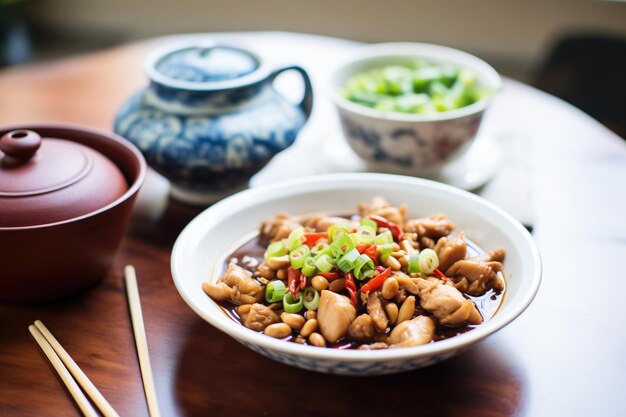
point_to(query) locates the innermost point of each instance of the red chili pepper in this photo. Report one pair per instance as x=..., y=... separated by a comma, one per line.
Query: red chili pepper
x=351, y=287
x=331, y=276
x=440, y=274
x=302, y=282
x=377, y=281
x=380, y=269
x=395, y=229
x=363, y=247
x=371, y=252
x=311, y=239
x=293, y=280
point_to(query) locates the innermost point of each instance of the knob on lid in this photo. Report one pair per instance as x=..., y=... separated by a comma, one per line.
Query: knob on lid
x=46, y=180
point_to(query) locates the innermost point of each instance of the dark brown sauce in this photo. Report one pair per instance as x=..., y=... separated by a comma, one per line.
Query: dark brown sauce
x=250, y=255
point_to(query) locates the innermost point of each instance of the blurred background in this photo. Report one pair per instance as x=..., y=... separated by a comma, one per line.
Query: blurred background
x=575, y=49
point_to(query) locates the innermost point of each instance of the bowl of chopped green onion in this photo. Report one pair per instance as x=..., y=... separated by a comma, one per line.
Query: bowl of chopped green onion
x=412, y=108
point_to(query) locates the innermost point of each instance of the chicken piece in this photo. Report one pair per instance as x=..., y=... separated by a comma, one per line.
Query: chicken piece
x=319, y=222
x=381, y=207
x=377, y=311
x=335, y=314
x=259, y=317
x=451, y=249
x=496, y=255
x=447, y=303
x=406, y=283
x=374, y=346
x=235, y=285
x=415, y=332
x=433, y=226
x=278, y=228
x=480, y=275
x=362, y=329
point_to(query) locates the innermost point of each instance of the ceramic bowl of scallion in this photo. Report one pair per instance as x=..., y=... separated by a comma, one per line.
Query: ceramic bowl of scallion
x=412, y=108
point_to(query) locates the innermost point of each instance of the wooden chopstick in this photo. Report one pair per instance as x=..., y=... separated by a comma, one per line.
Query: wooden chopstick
x=82, y=401
x=140, y=340
x=78, y=374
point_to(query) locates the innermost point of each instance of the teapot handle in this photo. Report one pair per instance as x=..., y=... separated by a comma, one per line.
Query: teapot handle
x=306, y=104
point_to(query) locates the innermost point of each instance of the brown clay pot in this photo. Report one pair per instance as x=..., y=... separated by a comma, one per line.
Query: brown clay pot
x=66, y=193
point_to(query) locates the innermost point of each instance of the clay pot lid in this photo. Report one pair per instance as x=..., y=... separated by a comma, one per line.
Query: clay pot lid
x=47, y=180
x=204, y=65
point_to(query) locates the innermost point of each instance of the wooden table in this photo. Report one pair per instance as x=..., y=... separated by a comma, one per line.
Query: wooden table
x=564, y=356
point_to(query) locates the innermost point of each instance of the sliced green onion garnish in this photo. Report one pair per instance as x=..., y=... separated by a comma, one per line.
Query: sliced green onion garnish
x=366, y=221
x=290, y=305
x=385, y=250
x=275, y=291
x=366, y=233
x=414, y=264
x=343, y=244
x=428, y=260
x=383, y=238
x=324, y=263
x=295, y=238
x=297, y=256
x=355, y=238
x=346, y=262
x=319, y=248
x=309, y=268
x=275, y=249
x=362, y=264
x=311, y=298
x=335, y=230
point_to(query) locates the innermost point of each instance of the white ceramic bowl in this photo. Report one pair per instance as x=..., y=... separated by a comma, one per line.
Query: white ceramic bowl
x=416, y=144
x=203, y=245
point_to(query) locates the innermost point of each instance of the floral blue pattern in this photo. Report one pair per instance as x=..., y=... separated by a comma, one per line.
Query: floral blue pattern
x=211, y=141
x=356, y=368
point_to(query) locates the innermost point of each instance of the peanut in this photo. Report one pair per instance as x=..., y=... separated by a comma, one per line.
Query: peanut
x=278, y=262
x=295, y=321
x=390, y=288
x=278, y=330
x=319, y=282
x=337, y=285
x=317, y=339
x=392, y=312
x=309, y=327
x=407, y=310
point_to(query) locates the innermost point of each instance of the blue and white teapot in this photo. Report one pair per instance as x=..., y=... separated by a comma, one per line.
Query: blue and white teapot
x=210, y=118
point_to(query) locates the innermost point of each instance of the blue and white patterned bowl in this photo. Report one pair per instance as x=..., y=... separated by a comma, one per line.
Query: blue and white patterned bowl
x=412, y=144
x=210, y=118
x=205, y=243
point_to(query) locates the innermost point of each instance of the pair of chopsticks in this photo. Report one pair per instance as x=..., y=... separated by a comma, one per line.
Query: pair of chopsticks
x=72, y=375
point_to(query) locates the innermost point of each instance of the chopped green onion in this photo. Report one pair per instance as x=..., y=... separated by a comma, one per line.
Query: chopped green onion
x=428, y=260
x=319, y=248
x=309, y=268
x=275, y=291
x=311, y=298
x=414, y=265
x=366, y=233
x=383, y=238
x=355, y=238
x=366, y=221
x=290, y=305
x=362, y=264
x=335, y=230
x=346, y=262
x=298, y=255
x=385, y=250
x=275, y=249
x=295, y=238
x=324, y=263
x=343, y=244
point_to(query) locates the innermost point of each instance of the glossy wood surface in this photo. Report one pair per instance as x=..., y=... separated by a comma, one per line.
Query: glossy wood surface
x=563, y=356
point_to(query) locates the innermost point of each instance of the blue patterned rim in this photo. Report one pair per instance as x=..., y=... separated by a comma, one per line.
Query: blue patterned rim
x=258, y=75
